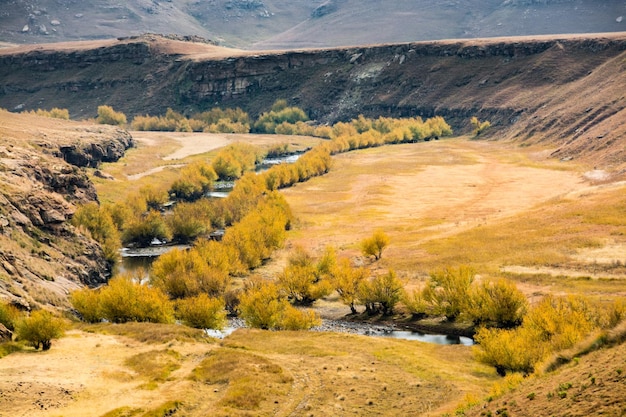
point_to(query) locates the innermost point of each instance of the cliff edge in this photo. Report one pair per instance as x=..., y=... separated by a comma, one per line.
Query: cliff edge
x=41, y=183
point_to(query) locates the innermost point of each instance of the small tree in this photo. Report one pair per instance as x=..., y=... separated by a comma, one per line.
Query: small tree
x=40, y=329
x=381, y=293
x=374, y=245
x=108, y=116
x=303, y=280
x=416, y=303
x=346, y=281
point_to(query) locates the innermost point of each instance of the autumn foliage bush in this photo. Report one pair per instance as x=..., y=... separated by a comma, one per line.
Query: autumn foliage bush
x=552, y=325
x=54, y=113
x=123, y=299
x=202, y=312
x=303, y=280
x=263, y=306
x=108, y=116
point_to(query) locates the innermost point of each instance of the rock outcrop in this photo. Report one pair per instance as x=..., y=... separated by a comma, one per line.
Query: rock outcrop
x=43, y=256
x=562, y=91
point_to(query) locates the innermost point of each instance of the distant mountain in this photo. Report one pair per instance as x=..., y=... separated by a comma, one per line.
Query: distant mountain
x=291, y=24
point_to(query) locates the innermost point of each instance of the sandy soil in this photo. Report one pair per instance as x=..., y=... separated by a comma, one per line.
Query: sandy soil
x=77, y=366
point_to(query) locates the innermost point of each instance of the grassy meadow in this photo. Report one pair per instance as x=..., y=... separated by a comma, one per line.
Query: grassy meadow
x=505, y=211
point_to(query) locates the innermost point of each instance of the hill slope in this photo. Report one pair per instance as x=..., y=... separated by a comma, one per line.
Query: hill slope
x=262, y=24
x=42, y=255
x=565, y=91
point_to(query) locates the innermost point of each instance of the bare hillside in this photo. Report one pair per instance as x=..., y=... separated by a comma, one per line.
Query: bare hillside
x=565, y=92
x=288, y=24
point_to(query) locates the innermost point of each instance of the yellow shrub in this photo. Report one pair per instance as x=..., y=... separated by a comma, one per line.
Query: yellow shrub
x=40, y=329
x=87, y=302
x=124, y=299
x=202, y=312
x=108, y=116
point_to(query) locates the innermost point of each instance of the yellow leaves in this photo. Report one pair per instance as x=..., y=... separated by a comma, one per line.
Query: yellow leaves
x=123, y=299
x=108, y=116
x=40, y=328
x=263, y=306
x=184, y=273
x=497, y=302
x=346, y=280
x=202, y=312
x=554, y=324
x=478, y=127
x=374, y=245
x=195, y=180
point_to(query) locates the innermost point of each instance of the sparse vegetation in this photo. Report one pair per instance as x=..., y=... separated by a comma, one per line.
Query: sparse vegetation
x=54, y=113
x=215, y=120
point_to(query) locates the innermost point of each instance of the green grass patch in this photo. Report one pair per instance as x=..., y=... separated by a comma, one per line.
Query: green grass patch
x=155, y=366
x=250, y=379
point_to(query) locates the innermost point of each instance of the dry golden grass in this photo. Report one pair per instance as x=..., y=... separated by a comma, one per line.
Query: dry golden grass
x=489, y=205
x=252, y=372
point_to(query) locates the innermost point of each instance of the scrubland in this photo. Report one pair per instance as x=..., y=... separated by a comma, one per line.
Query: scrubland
x=504, y=210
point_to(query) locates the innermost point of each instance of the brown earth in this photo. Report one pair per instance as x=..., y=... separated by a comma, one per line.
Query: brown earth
x=88, y=374
x=42, y=255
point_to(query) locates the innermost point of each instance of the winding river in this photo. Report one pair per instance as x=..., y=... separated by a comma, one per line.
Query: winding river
x=134, y=259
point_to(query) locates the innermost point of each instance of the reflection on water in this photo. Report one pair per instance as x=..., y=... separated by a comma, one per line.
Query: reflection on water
x=439, y=339
x=137, y=259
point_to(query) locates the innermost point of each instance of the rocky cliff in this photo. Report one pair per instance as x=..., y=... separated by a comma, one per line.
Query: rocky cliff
x=565, y=91
x=41, y=183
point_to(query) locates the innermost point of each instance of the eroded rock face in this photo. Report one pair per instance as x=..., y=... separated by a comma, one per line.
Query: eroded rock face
x=42, y=256
x=91, y=155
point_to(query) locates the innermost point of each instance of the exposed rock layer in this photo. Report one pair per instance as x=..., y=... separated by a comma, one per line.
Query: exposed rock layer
x=566, y=91
x=43, y=256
